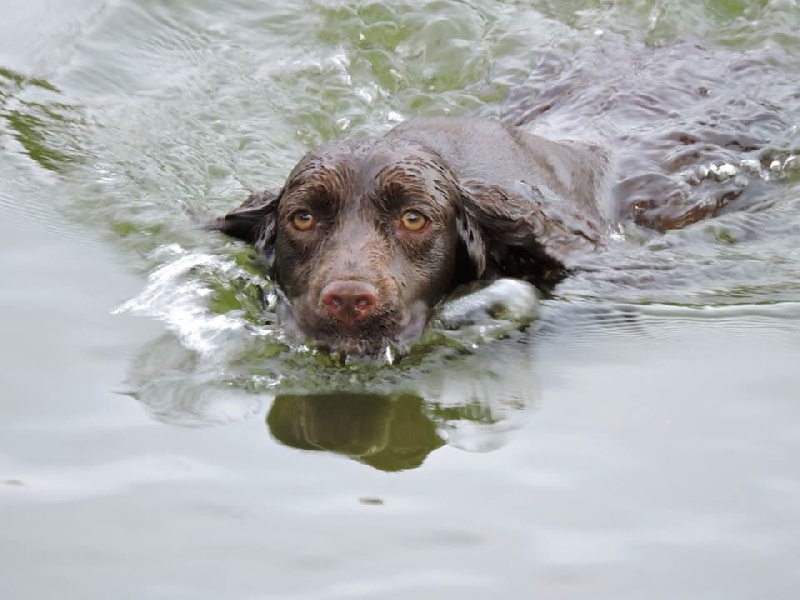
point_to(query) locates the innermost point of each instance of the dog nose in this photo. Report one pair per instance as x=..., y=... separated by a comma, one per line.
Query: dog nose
x=349, y=301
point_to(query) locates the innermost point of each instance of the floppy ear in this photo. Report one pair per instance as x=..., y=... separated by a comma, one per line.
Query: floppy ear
x=523, y=231
x=472, y=241
x=253, y=222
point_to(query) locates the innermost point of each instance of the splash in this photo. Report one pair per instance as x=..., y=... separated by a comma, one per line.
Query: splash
x=177, y=294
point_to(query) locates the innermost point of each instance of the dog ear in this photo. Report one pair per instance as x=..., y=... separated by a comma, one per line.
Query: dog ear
x=253, y=222
x=523, y=231
x=472, y=250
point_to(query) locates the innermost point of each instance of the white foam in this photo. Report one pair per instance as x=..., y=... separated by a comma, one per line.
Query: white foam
x=173, y=296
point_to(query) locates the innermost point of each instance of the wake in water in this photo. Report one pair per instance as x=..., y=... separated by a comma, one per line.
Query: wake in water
x=222, y=361
x=708, y=125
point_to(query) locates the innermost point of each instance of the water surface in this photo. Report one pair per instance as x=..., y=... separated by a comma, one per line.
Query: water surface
x=638, y=439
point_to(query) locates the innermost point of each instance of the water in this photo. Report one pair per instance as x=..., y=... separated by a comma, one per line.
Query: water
x=159, y=437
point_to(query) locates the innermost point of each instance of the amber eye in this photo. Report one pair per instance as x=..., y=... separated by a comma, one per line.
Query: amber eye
x=413, y=221
x=303, y=220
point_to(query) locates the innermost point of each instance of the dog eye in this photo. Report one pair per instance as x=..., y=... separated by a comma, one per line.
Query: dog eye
x=413, y=221
x=303, y=220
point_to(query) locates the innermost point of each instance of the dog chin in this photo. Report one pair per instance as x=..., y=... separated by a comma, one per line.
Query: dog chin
x=342, y=343
x=353, y=347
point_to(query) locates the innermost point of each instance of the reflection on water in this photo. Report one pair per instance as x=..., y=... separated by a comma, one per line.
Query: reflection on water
x=388, y=432
x=374, y=412
x=471, y=401
x=33, y=112
x=469, y=382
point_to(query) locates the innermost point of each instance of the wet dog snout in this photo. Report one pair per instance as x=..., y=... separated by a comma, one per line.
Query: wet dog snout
x=349, y=301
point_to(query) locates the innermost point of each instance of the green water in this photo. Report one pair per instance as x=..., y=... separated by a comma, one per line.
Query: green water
x=159, y=440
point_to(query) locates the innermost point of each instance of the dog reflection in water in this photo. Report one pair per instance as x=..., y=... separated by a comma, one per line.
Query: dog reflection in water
x=387, y=432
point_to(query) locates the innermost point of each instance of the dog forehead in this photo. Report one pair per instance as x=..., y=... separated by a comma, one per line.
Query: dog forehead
x=395, y=157
x=362, y=168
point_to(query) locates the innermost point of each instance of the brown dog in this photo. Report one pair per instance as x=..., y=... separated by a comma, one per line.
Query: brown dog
x=367, y=235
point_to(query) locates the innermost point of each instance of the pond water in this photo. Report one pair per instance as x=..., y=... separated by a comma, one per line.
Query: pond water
x=638, y=437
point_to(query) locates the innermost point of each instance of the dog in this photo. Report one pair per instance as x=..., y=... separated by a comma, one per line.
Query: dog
x=367, y=235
